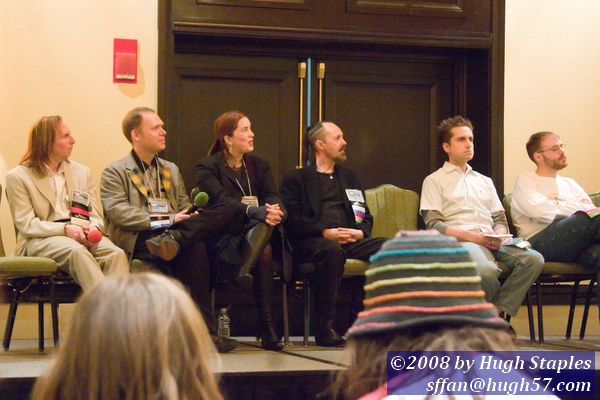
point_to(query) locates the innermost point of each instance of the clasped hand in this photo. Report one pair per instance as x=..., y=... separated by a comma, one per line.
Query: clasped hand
x=343, y=235
x=274, y=214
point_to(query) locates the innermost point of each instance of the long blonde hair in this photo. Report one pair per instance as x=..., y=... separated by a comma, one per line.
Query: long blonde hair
x=41, y=138
x=133, y=337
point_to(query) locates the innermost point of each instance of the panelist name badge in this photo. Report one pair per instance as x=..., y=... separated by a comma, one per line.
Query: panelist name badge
x=355, y=196
x=159, y=213
x=80, y=208
x=250, y=200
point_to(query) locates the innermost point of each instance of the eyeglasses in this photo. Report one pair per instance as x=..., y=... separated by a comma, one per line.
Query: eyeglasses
x=555, y=149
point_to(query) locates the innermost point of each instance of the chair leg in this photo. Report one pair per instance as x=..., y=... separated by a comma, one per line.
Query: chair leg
x=538, y=288
x=306, y=290
x=54, y=311
x=10, y=320
x=572, y=309
x=284, y=304
x=530, y=317
x=212, y=300
x=41, y=326
x=586, y=309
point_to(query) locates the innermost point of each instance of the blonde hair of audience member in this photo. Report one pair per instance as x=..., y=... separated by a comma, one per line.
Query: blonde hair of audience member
x=41, y=138
x=367, y=355
x=135, y=337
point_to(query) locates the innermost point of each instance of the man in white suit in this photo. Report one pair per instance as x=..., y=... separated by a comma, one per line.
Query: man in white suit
x=53, y=204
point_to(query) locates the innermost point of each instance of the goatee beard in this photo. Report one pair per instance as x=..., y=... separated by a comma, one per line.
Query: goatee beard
x=340, y=159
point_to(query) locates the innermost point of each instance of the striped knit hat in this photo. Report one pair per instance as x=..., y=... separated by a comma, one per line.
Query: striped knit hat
x=423, y=278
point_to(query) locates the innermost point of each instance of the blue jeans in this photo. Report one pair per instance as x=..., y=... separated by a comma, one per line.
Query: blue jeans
x=525, y=266
x=574, y=238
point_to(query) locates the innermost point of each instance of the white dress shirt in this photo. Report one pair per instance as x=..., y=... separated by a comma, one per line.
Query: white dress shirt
x=466, y=199
x=58, y=182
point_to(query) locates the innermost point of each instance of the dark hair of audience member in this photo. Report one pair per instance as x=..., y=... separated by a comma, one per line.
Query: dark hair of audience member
x=134, y=337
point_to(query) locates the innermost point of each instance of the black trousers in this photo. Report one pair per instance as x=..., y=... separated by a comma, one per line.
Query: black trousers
x=329, y=258
x=191, y=266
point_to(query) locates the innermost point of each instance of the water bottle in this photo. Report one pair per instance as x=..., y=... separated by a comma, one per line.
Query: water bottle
x=224, y=324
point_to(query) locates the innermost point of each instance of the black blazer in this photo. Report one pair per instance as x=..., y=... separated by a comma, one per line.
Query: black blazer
x=215, y=178
x=301, y=195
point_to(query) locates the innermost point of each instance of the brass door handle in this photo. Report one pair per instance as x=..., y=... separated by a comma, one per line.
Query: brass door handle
x=320, y=79
x=301, y=79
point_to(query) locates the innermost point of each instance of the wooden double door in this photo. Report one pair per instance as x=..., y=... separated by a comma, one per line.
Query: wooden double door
x=387, y=105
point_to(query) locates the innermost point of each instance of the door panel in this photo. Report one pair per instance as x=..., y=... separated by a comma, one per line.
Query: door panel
x=265, y=89
x=389, y=112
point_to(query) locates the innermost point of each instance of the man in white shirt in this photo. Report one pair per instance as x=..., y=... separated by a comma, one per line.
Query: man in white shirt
x=549, y=210
x=459, y=202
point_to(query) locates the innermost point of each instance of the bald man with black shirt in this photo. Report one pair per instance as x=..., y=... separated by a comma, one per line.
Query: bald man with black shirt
x=328, y=221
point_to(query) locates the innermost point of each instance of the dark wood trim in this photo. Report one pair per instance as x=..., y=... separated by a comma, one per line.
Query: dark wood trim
x=429, y=8
x=283, y=4
x=497, y=96
x=474, y=40
x=165, y=58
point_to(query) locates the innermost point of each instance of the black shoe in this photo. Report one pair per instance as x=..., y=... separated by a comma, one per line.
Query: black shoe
x=163, y=246
x=223, y=344
x=269, y=339
x=329, y=338
x=505, y=316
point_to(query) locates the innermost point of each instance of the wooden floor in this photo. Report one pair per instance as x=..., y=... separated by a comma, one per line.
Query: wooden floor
x=249, y=372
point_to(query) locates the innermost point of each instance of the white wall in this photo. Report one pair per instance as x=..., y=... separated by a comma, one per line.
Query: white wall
x=552, y=82
x=56, y=58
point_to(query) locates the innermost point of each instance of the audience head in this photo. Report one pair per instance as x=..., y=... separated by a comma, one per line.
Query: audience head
x=50, y=140
x=227, y=128
x=547, y=150
x=133, y=337
x=326, y=139
x=422, y=293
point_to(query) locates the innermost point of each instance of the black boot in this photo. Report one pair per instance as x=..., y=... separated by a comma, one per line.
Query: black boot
x=263, y=292
x=254, y=242
x=327, y=336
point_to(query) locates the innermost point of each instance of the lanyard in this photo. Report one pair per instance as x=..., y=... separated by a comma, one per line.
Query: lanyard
x=150, y=180
x=247, y=177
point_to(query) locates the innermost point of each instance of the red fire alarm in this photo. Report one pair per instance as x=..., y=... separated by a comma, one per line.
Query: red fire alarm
x=125, y=61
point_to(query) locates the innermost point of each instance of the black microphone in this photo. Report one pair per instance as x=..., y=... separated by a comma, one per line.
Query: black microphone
x=200, y=201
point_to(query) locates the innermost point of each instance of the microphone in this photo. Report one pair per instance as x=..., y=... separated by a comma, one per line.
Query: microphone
x=200, y=200
x=94, y=236
x=194, y=192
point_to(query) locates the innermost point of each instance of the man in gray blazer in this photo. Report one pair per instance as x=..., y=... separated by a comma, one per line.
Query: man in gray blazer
x=146, y=206
x=53, y=201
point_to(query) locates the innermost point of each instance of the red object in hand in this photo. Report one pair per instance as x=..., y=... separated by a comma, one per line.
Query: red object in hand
x=94, y=236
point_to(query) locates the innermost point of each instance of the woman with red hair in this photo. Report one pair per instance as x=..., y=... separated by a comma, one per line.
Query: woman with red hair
x=233, y=176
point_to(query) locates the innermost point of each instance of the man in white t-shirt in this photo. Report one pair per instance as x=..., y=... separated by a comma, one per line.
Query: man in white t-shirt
x=459, y=202
x=549, y=210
